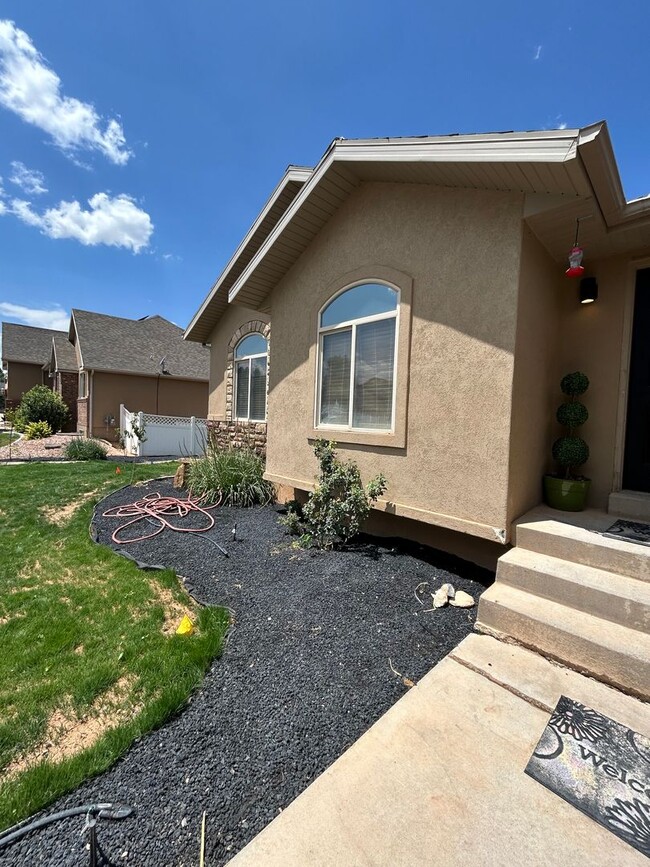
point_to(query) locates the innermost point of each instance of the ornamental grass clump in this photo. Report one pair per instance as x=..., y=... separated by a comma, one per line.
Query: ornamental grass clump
x=85, y=450
x=339, y=504
x=234, y=475
x=37, y=430
x=571, y=451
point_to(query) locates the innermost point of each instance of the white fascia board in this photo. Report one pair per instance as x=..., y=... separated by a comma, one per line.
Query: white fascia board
x=546, y=147
x=294, y=174
x=560, y=146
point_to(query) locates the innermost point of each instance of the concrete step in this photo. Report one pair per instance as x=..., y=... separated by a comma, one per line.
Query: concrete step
x=607, y=651
x=583, y=545
x=603, y=594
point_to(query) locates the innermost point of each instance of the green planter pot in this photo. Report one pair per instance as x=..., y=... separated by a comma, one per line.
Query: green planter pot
x=566, y=494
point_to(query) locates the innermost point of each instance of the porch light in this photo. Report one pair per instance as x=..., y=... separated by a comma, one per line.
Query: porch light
x=588, y=290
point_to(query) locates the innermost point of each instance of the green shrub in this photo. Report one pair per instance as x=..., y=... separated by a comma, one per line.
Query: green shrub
x=237, y=475
x=572, y=414
x=42, y=404
x=336, y=509
x=37, y=430
x=85, y=450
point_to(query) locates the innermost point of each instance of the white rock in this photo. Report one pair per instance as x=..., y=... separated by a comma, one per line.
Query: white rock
x=440, y=597
x=462, y=600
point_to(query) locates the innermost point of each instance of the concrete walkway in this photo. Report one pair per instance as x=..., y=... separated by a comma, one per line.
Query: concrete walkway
x=439, y=779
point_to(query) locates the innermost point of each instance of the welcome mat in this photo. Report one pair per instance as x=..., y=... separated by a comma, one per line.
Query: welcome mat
x=599, y=766
x=630, y=531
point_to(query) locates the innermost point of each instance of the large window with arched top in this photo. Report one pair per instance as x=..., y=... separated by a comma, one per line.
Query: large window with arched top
x=356, y=364
x=251, y=355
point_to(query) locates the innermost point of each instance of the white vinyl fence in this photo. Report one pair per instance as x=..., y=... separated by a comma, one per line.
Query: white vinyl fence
x=164, y=434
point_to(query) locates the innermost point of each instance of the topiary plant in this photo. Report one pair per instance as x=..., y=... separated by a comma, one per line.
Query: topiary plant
x=339, y=504
x=571, y=451
x=42, y=404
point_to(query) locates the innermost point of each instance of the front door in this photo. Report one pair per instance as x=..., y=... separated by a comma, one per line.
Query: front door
x=636, y=467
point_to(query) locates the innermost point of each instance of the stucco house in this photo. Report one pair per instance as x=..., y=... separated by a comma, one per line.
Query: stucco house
x=142, y=363
x=25, y=352
x=407, y=297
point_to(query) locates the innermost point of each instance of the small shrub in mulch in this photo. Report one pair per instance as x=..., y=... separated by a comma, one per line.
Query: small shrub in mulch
x=85, y=450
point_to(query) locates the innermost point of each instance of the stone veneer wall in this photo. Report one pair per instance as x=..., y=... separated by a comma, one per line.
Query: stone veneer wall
x=230, y=432
x=238, y=434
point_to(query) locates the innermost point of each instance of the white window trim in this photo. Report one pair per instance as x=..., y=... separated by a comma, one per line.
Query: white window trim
x=83, y=378
x=352, y=324
x=249, y=359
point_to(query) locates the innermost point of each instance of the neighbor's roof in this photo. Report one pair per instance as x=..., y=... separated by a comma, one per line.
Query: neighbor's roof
x=136, y=346
x=566, y=174
x=27, y=344
x=65, y=356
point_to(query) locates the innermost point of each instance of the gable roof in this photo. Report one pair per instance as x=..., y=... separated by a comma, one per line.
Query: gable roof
x=572, y=170
x=64, y=356
x=27, y=344
x=216, y=301
x=137, y=346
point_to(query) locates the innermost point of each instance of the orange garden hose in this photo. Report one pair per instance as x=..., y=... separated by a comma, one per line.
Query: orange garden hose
x=156, y=509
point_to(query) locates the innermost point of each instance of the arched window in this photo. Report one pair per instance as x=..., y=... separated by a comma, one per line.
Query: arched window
x=357, y=352
x=250, y=378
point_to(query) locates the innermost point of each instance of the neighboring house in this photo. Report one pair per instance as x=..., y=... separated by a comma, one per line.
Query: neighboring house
x=410, y=297
x=25, y=351
x=142, y=363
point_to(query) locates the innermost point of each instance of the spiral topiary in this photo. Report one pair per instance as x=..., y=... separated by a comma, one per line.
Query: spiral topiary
x=571, y=451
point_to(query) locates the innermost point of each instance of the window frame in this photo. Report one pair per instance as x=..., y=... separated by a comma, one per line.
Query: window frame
x=352, y=325
x=83, y=381
x=249, y=358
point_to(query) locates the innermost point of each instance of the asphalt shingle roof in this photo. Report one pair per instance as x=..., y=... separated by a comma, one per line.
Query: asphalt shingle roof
x=27, y=344
x=138, y=346
x=66, y=356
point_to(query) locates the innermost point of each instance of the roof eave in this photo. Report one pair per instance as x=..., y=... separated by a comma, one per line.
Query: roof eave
x=299, y=174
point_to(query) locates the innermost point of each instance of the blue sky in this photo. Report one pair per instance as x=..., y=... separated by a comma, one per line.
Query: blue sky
x=159, y=129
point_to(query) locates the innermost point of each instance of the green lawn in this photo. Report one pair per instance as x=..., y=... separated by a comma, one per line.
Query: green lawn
x=88, y=655
x=6, y=438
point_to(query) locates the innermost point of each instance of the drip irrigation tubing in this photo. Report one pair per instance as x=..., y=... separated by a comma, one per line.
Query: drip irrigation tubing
x=158, y=510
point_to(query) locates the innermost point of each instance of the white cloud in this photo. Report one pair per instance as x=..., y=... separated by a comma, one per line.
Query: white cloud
x=563, y=125
x=538, y=52
x=117, y=221
x=29, y=180
x=32, y=90
x=3, y=207
x=56, y=317
x=171, y=257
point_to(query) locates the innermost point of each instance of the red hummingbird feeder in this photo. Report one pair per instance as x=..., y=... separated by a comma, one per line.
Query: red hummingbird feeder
x=576, y=268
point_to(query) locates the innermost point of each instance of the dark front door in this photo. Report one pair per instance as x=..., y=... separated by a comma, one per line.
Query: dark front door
x=636, y=468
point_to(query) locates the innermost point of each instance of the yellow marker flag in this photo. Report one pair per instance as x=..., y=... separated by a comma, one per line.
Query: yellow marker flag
x=185, y=627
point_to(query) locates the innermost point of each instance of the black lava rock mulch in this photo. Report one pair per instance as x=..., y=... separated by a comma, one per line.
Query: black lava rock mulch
x=305, y=672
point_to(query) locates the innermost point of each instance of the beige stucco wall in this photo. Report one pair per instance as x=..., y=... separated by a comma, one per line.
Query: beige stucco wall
x=21, y=377
x=536, y=374
x=138, y=393
x=462, y=251
x=235, y=316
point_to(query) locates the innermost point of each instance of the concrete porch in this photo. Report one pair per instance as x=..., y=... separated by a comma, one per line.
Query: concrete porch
x=573, y=595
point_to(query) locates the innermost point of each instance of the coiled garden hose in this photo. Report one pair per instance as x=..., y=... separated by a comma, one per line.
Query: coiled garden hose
x=114, y=812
